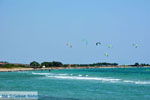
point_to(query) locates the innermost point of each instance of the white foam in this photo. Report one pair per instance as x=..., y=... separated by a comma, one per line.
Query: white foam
x=79, y=75
x=103, y=79
x=49, y=74
x=40, y=73
x=84, y=78
x=127, y=81
x=137, y=82
x=62, y=74
x=142, y=82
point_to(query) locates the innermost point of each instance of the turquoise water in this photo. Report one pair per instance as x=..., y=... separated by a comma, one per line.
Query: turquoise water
x=81, y=84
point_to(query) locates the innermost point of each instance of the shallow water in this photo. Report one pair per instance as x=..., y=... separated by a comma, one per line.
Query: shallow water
x=81, y=84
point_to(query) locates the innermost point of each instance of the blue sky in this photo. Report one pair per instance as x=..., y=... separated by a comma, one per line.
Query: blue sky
x=39, y=30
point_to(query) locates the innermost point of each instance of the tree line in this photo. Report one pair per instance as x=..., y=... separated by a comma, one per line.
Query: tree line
x=138, y=64
x=60, y=64
x=35, y=64
x=46, y=64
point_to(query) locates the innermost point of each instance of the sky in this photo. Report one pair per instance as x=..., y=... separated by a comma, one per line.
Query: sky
x=38, y=30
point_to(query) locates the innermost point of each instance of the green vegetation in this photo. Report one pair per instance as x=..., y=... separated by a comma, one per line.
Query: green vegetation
x=52, y=64
x=92, y=65
x=7, y=65
x=35, y=64
x=142, y=64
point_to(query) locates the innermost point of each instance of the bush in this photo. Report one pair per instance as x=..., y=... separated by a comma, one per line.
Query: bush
x=35, y=64
x=52, y=64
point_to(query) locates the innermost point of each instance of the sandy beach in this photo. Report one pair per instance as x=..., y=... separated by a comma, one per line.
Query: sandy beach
x=29, y=69
x=14, y=69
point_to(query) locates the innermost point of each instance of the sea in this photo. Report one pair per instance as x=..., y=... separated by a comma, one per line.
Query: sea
x=81, y=84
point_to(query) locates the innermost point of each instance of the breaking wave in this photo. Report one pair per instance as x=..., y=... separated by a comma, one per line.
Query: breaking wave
x=84, y=78
x=47, y=74
x=87, y=77
x=136, y=82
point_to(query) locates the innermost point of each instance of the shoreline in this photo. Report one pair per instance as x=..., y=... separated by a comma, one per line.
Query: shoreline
x=53, y=68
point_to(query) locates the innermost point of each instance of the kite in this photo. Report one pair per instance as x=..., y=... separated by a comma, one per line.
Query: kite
x=98, y=43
